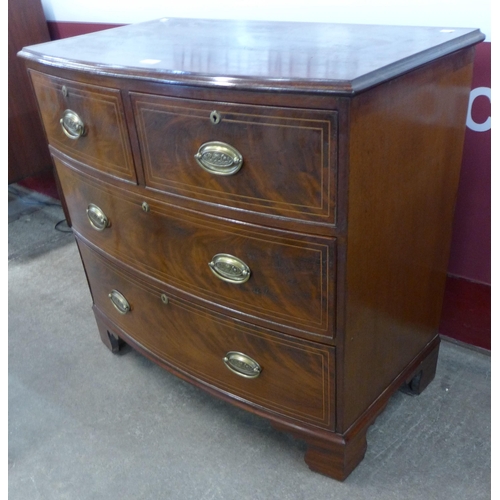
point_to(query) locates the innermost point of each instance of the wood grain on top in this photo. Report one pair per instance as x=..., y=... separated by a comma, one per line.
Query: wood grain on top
x=290, y=56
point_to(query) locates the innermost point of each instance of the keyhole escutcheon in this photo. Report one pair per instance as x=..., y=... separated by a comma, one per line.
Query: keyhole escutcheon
x=215, y=117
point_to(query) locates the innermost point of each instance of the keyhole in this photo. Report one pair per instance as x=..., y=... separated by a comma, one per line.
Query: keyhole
x=215, y=117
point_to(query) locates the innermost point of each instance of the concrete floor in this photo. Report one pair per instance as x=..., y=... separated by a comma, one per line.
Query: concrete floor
x=85, y=424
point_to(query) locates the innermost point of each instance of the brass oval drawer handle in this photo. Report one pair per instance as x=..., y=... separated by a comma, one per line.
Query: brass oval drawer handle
x=219, y=158
x=72, y=125
x=229, y=268
x=242, y=365
x=119, y=301
x=97, y=217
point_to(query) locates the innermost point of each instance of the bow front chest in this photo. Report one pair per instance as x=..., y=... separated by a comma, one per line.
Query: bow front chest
x=265, y=209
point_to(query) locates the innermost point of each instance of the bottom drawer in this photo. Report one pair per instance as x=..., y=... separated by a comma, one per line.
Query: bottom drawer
x=287, y=376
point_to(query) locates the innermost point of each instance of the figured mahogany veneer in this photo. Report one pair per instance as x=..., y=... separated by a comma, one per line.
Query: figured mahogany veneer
x=297, y=377
x=265, y=209
x=106, y=145
x=289, y=164
x=291, y=274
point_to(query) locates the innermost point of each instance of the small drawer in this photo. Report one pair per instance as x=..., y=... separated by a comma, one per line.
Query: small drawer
x=86, y=122
x=278, y=279
x=274, y=161
x=289, y=377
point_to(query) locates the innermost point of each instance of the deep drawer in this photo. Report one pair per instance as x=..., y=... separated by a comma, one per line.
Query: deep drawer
x=290, y=280
x=293, y=378
x=275, y=161
x=94, y=121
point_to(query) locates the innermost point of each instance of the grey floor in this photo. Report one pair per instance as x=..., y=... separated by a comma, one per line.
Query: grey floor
x=86, y=424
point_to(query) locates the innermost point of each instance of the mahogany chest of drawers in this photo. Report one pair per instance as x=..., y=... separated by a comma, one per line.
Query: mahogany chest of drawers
x=265, y=209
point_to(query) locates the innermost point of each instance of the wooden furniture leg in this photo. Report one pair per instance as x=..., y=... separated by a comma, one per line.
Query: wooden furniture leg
x=109, y=338
x=423, y=375
x=337, y=455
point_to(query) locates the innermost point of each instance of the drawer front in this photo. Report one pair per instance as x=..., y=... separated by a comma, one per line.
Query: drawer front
x=289, y=377
x=93, y=130
x=289, y=281
x=286, y=157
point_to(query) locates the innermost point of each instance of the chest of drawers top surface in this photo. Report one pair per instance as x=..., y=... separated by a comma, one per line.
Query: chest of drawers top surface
x=318, y=57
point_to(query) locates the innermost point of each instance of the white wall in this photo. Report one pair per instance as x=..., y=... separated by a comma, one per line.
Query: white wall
x=446, y=13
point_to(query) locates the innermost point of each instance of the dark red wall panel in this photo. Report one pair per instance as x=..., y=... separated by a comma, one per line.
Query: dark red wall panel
x=60, y=30
x=466, y=312
x=470, y=256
